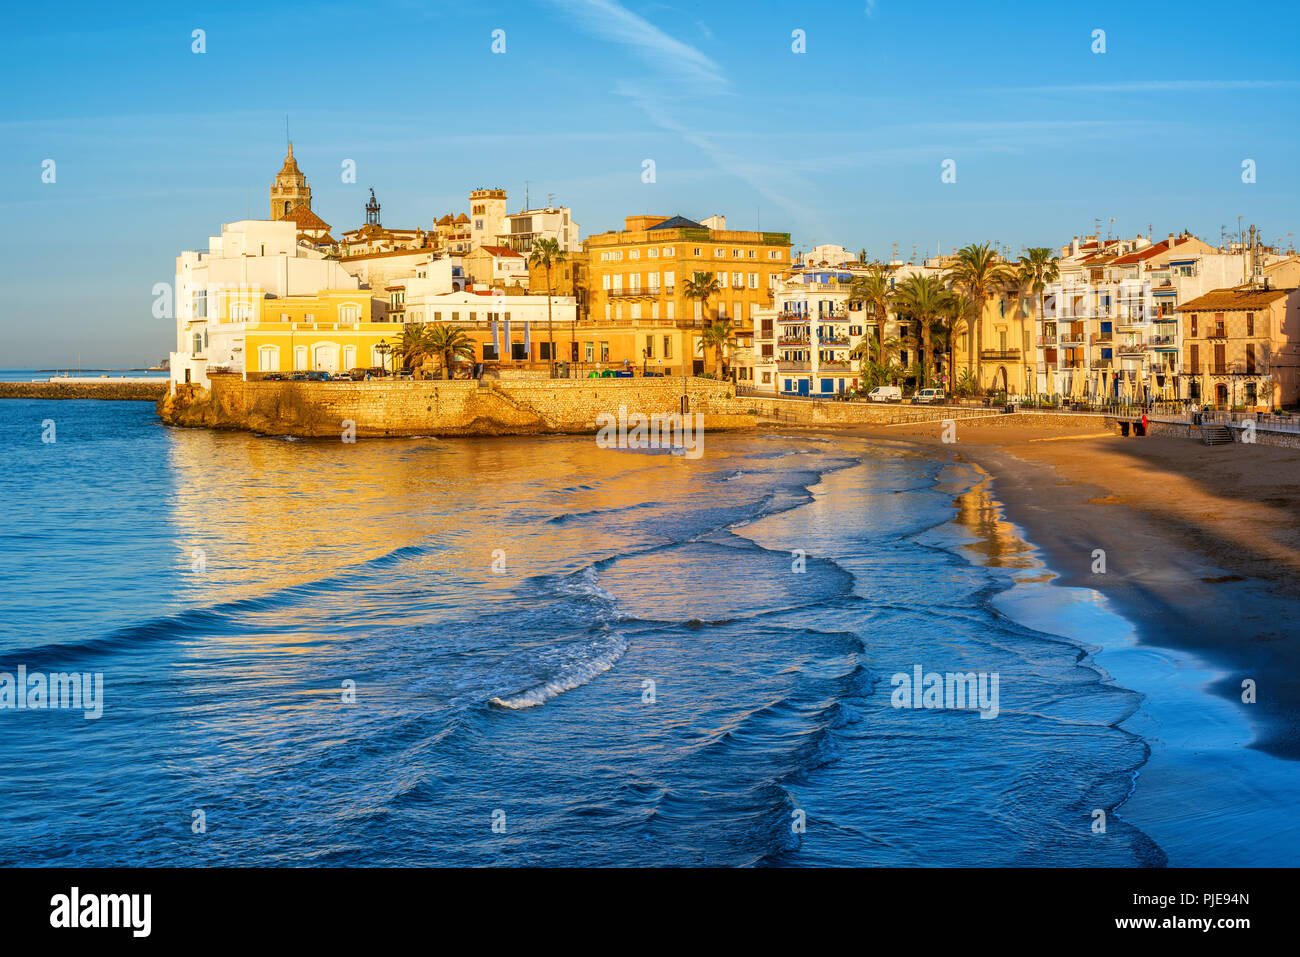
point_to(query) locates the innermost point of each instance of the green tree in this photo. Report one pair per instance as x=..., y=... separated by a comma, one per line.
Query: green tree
x=547, y=254
x=1037, y=268
x=416, y=344
x=451, y=344
x=924, y=299
x=977, y=273
x=874, y=290
x=702, y=286
x=718, y=335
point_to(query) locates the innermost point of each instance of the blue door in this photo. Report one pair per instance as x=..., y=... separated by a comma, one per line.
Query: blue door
x=803, y=386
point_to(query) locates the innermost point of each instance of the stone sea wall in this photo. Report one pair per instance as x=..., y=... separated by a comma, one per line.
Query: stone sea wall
x=103, y=389
x=498, y=407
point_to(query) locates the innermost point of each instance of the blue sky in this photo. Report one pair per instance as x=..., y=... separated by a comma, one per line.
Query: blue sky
x=156, y=146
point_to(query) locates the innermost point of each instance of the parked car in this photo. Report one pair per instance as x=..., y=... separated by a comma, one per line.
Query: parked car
x=274, y=377
x=376, y=372
x=356, y=375
x=885, y=393
x=298, y=377
x=924, y=396
x=318, y=376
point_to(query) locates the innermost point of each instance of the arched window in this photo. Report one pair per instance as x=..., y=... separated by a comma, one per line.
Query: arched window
x=286, y=208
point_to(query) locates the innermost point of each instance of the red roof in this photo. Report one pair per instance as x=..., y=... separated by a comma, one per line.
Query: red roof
x=1144, y=254
x=502, y=251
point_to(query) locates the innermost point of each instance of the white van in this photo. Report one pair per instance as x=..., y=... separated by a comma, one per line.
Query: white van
x=924, y=396
x=885, y=393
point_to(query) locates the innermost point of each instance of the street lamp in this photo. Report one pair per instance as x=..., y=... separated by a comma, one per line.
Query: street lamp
x=383, y=349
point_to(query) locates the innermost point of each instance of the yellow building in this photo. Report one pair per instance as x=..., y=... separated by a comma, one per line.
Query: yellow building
x=1003, y=352
x=635, y=279
x=331, y=331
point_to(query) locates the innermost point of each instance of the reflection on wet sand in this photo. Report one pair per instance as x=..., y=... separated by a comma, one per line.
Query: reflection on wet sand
x=997, y=542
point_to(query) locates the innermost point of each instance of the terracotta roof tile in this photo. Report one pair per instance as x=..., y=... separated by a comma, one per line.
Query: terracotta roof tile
x=1232, y=299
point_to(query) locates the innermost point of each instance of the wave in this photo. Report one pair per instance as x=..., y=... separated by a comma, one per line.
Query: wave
x=573, y=675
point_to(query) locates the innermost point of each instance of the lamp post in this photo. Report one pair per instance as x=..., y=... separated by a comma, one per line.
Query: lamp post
x=383, y=349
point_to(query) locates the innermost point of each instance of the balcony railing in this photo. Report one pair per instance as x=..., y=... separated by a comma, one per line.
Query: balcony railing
x=1131, y=348
x=995, y=354
x=638, y=292
x=1047, y=341
x=784, y=366
x=1073, y=339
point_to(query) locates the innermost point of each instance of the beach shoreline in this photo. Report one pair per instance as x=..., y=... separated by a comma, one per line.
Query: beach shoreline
x=1201, y=545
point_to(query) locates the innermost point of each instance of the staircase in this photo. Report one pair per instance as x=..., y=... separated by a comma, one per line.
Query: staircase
x=1216, y=434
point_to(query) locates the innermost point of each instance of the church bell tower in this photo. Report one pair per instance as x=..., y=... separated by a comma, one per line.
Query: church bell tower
x=290, y=189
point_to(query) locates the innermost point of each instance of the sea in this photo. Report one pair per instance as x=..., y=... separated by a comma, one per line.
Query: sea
x=537, y=651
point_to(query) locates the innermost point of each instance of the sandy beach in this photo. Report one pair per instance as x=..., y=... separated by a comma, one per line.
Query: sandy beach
x=1202, y=545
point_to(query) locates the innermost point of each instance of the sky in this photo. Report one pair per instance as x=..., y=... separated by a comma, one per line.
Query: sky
x=155, y=145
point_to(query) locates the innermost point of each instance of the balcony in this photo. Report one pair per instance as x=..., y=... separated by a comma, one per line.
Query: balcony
x=1073, y=339
x=1164, y=342
x=793, y=341
x=1048, y=342
x=834, y=341
x=784, y=366
x=1131, y=348
x=637, y=293
x=836, y=365
x=995, y=355
x=1100, y=337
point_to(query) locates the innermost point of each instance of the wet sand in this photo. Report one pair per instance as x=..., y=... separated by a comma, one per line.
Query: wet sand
x=1202, y=545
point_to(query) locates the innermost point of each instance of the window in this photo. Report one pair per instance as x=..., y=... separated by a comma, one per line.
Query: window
x=649, y=345
x=774, y=254
x=696, y=252
x=652, y=254
x=1218, y=325
x=490, y=352
x=668, y=347
x=753, y=280
x=604, y=352
x=200, y=304
x=735, y=254
x=518, y=351
x=1194, y=360
x=668, y=250
x=1194, y=327
x=737, y=280
x=749, y=254
x=544, y=351
x=719, y=253
x=589, y=351
x=1250, y=323
x=634, y=254
x=670, y=280
x=198, y=344
x=1250, y=358
x=349, y=313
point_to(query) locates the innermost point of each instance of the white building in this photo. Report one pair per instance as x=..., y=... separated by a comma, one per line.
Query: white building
x=250, y=261
x=526, y=227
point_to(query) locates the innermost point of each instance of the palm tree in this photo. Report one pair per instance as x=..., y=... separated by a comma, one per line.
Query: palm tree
x=451, y=344
x=717, y=336
x=978, y=272
x=700, y=286
x=416, y=344
x=957, y=309
x=877, y=365
x=1038, y=267
x=873, y=289
x=546, y=254
x=924, y=299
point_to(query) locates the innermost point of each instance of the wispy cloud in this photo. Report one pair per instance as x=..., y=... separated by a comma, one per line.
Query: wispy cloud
x=675, y=59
